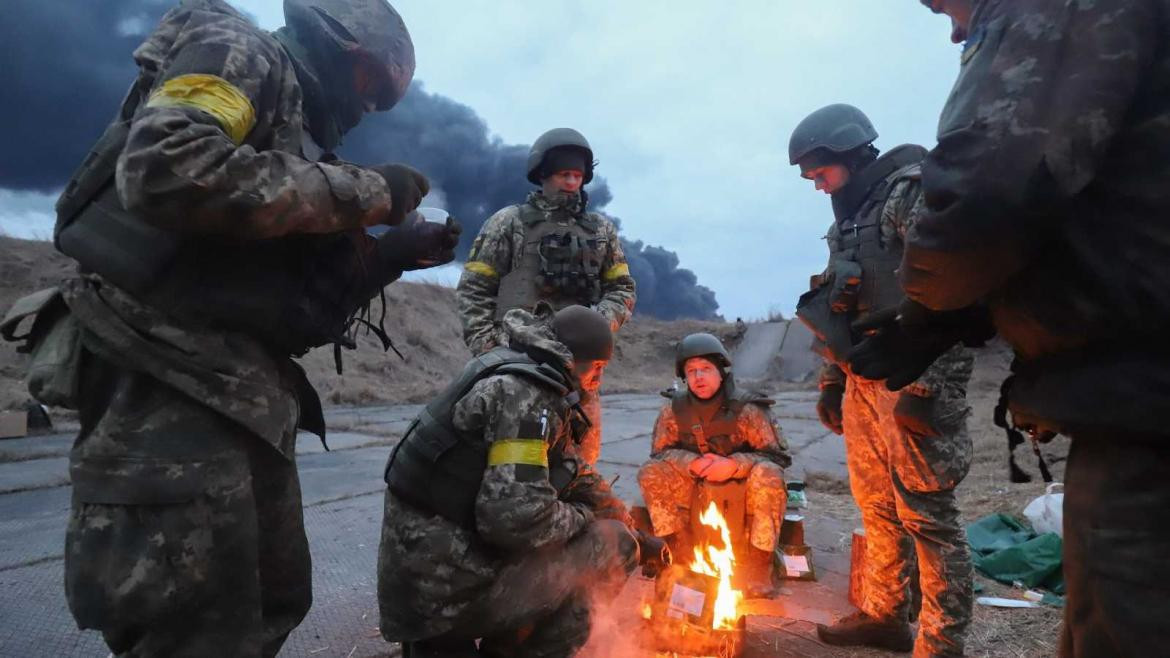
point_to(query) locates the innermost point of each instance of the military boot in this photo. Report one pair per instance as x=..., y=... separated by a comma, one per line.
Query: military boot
x=440, y=648
x=859, y=629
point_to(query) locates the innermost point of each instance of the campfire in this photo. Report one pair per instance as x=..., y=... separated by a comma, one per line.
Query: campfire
x=695, y=610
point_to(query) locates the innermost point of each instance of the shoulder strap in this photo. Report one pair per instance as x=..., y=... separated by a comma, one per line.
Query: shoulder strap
x=686, y=420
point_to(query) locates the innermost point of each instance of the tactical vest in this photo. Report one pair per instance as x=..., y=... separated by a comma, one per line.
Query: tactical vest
x=278, y=290
x=717, y=435
x=861, y=247
x=560, y=263
x=438, y=468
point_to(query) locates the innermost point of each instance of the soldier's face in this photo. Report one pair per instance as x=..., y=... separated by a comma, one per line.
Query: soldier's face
x=829, y=178
x=703, y=377
x=370, y=83
x=959, y=12
x=568, y=181
x=589, y=374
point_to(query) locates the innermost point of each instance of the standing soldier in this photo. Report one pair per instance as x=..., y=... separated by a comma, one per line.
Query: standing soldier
x=494, y=529
x=712, y=431
x=211, y=248
x=548, y=248
x=1046, y=202
x=906, y=452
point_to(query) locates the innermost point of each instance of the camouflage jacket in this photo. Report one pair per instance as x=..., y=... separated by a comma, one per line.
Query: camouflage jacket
x=215, y=149
x=756, y=439
x=1046, y=197
x=948, y=376
x=498, y=249
x=435, y=568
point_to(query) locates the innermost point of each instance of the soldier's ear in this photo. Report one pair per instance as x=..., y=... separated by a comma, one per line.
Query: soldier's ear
x=543, y=311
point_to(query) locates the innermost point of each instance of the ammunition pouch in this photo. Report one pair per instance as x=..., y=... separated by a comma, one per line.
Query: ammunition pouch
x=831, y=329
x=560, y=264
x=53, y=343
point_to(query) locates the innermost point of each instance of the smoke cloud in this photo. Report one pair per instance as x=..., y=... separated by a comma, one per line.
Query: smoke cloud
x=68, y=68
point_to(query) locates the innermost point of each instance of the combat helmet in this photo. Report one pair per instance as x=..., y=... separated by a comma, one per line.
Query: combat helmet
x=835, y=128
x=363, y=28
x=558, y=138
x=704, y=345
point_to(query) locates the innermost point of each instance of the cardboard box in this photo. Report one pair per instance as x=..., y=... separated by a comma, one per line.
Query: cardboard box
x=13, y=424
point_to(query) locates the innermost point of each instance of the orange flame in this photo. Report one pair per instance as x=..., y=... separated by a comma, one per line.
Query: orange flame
x=719, y=562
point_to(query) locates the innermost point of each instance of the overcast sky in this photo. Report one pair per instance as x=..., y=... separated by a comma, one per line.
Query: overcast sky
x=688, y=106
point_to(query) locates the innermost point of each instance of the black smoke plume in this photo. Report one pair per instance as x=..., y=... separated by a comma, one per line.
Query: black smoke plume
x=67, y=65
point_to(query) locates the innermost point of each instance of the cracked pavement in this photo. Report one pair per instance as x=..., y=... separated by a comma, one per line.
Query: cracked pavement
x=343, y=509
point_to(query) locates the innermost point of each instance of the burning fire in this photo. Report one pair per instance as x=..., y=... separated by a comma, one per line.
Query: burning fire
x=719, y=562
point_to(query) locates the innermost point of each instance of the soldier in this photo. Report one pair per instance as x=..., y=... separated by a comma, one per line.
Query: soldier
x=212, y=247
x=712, y=431
x=494, y=528
x=905, y=452
x=548, y=248
x=1045, y=201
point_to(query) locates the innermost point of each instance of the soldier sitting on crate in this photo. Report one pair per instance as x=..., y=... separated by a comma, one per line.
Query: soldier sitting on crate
x=711, y=433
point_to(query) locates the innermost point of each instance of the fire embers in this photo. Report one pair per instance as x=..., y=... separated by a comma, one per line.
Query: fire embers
x=695, y=609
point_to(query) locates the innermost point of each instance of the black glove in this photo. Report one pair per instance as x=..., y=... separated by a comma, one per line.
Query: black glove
x=915, y=414
x=420, y=244
x=829, y=408
x=901, y=343
x=407, y=188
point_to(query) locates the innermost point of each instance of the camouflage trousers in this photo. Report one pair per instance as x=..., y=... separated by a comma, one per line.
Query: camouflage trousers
x=540, y=604
x=1116, y=540
x=667, y=490
x=590, y=447
x=904, y=487
x=186, y=536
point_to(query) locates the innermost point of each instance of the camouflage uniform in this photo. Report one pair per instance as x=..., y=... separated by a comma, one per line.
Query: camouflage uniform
x=756, y=446
x=186, y=534
x=1046, y=198
x=535, y=560
x=904, y=484
x=499, y=249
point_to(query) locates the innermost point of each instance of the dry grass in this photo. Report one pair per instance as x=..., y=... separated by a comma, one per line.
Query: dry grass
x=420, y=318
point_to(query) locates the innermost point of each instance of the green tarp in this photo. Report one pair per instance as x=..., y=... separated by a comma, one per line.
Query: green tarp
x=1008, y=551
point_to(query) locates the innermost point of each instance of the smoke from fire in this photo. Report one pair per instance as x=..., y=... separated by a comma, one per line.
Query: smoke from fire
x=69, y=70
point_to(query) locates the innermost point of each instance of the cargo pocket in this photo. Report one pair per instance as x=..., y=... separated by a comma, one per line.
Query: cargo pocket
x=53, y=343
x=150, y=538
x=930, y=464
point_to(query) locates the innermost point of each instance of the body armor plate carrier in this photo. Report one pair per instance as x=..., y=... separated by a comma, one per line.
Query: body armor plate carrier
x=438, y=468
x=863, y=267
x=561, y=264
x=716, y=435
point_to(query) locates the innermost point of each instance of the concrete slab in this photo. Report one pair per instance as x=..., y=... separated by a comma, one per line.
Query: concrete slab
x=754, y=357
x=343, y=498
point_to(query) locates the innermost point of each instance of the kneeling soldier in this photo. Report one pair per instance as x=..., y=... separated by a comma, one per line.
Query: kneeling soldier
x=494, y=529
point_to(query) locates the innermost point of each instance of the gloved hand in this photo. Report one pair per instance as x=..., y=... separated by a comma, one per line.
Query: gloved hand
x=407, y=188
x=715, y=468
x=915, y=414
x=699, y=465
x=901, y=343
x=654, y=554
x=829, y=408
x=420, y=244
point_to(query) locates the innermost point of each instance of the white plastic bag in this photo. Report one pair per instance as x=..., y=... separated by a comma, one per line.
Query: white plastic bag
x=1046, y=512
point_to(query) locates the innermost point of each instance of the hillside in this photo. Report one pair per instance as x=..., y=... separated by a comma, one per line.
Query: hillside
x=420, y=318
